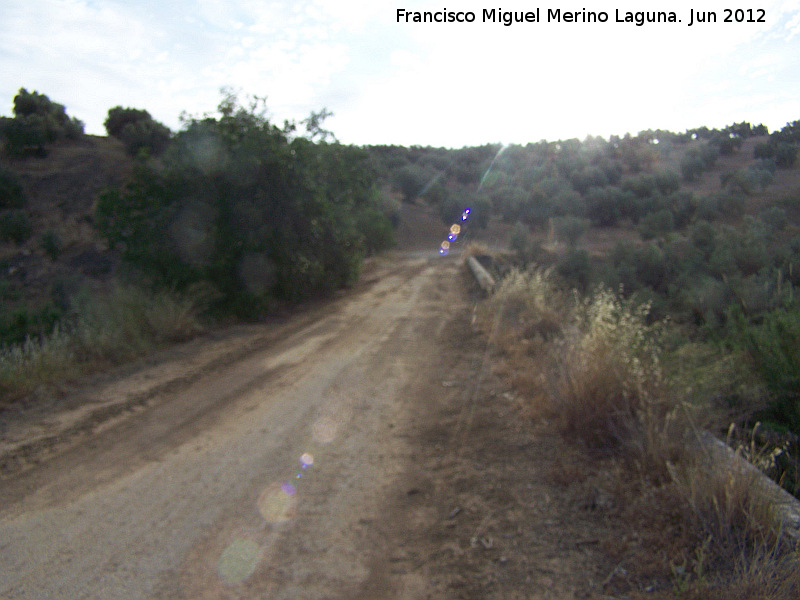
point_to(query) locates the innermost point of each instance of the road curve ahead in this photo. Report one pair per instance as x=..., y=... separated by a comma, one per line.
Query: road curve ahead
x=266, y=476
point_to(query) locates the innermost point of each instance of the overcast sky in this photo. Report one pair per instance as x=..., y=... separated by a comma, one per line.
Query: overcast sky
x=448, y=84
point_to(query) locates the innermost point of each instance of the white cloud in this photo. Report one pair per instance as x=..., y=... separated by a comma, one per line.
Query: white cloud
x=443, y=84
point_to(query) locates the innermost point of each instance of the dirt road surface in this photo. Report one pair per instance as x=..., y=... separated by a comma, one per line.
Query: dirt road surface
x=359, y=450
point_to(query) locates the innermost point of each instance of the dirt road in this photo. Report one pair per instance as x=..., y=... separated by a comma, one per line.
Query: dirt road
x=360, y=449
x=265, y=477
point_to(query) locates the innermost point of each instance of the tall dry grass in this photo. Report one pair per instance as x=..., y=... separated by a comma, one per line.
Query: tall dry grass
x=108, y=329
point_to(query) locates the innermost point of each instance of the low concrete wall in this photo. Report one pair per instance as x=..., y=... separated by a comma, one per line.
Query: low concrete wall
x=482, y=276
x=787, y=506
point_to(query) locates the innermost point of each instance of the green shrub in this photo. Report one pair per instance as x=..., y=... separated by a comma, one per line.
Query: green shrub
x=652, y=267
x=709, y=155
x=739, y=181
x=11, y=193
x=37, y=121
x=781, y=147
x=587, y=178
x=51, y=244
x=764, y=151
x=667, y=182
x=785, y=155
x=727, y=143
x=538, y=211
x=612, y=170
x=376, y=229
x=520, y=239
x=606, y=206
x=15, y=226
x=641, y=186
x=656, y=224
x=621, y=272
x=732, y=204
x=510, y=202
x=411, y=180
x=710, y=207
x=704, y=237
x=738, y=254
x=683, y=206
x=436, y=193
x=24, y=135
x=118, y=118
x=692, y=165
x=698, y=160
x=19, y=324
x=705, y=300
x=570, y=229
x=148, y=136
x=775, y=218
x=569, y=202
x=764, y=164
x=761, y=173
x=575, y=269
x=137, y=130
x=773, y=347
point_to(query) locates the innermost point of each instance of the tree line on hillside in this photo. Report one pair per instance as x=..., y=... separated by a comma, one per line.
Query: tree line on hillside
x=38, y=122
x=603, y=180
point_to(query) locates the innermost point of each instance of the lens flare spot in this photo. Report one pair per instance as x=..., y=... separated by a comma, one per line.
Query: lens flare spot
x=446, y=245
x=324, y=430
x=464, y=217
x=455, y=229
x=306, y=459
x=443, y=251
x=452, y=237
x=277, y=503
x=238, y=561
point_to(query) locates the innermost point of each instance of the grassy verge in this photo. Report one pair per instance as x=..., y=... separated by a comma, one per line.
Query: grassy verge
x=105, y=330
x=594, y=367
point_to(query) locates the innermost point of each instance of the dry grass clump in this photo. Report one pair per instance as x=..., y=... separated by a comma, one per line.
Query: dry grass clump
x=524, y=315
x=106, y=330
x=23, y=367
x=529, y=303
x=770, y=573
x=130, y=322
x=608, y=387
x=475, y=249
x=728, y=504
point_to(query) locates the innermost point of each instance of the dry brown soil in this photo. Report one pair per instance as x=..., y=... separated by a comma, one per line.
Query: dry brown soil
x=361, y=449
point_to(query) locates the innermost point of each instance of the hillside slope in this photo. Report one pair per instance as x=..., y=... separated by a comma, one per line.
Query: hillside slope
x=60, y=190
